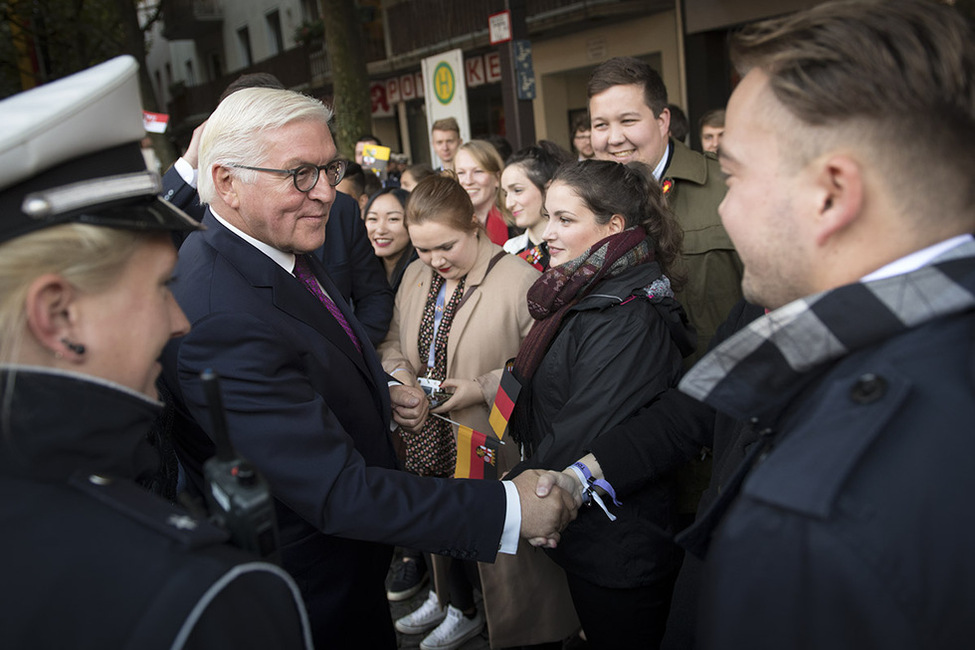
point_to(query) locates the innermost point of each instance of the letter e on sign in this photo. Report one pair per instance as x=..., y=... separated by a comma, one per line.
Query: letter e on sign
x=492, y=65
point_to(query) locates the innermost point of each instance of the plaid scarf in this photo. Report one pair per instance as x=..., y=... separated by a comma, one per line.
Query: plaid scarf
x=763, y=365
x=562, y=287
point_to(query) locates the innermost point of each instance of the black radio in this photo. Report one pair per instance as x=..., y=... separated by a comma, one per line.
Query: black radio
x=237, y=496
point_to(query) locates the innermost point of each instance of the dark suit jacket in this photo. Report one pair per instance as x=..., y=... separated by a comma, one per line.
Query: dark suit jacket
x=313, y=415
x=347, y=254
x=353, y=266
x=181, y=194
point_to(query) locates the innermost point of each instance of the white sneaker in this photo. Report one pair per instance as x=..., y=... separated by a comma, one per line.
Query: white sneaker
x=426, y=617
x=454, y=631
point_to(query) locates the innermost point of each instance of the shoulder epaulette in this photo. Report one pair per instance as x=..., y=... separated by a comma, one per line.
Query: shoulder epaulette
x=138, y=505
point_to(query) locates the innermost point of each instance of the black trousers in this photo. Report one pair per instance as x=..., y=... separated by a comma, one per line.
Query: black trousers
x=622, y=618
x=462, y=579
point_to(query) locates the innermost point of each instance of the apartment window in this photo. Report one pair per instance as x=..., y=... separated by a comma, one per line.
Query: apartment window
x=274, y=37
x=244, y=41
x=216, y=65
x=309, y=11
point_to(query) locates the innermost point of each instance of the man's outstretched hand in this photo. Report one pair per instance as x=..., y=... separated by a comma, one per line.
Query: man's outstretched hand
x=546, y=511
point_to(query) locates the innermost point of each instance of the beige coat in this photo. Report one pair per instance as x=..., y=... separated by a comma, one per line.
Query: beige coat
x=526, y=599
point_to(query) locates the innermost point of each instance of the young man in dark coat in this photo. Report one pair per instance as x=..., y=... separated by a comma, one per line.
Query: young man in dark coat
x=853, y=524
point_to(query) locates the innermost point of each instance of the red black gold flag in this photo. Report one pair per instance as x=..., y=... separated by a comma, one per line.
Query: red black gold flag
x=477, y=455
x=504, y=403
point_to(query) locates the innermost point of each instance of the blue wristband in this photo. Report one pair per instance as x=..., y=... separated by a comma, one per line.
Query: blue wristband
x=590, y=494
x=601, y=483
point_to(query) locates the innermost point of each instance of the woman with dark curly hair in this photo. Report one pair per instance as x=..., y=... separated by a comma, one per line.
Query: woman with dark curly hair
x=608, y=336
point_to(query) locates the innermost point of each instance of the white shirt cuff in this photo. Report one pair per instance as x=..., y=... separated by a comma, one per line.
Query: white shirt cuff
x=512, y=520
x=186, y=172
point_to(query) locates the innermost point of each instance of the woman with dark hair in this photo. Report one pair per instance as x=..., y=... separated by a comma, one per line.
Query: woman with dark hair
x=460, y=314
x=608, y=337
x=523, y=181
x=385, y=217
x=413, y=174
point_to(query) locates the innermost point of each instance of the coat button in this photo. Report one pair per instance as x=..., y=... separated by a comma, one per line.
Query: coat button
x=868, y=389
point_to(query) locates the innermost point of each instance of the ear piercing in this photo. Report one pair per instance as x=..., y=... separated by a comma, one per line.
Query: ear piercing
x=77, y=348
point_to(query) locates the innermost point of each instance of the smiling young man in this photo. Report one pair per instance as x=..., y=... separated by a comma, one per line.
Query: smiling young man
x=631, y=121
x=850, y=522
x=445, y=138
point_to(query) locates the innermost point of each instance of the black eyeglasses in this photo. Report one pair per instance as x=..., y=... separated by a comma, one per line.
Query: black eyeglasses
x=306, y=176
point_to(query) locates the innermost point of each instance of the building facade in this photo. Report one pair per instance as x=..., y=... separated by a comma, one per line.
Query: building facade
x=205, y=44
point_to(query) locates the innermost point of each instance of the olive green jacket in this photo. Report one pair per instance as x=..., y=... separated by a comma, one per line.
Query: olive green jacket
x=710, y=265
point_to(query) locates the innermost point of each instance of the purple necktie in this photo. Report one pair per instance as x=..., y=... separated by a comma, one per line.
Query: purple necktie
x=303, y=272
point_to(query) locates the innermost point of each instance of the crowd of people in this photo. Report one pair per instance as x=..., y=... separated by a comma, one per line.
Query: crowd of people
x=720, y=397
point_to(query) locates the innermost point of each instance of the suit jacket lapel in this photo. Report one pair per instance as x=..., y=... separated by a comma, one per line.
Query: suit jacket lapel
x=289, y=295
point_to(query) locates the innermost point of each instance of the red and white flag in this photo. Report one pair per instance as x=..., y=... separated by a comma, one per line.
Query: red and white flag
x=155, y=122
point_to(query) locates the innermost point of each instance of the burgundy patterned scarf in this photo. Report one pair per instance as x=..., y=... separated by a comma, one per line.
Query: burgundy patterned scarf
x=561, y=287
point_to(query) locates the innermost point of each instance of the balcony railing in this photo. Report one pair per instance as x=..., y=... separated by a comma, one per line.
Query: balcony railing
x=420, y=25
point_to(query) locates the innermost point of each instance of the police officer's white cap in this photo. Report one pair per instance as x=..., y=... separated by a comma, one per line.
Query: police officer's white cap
x=70, y=152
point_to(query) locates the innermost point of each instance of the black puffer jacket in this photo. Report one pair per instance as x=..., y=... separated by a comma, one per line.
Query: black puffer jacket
x=611, y=356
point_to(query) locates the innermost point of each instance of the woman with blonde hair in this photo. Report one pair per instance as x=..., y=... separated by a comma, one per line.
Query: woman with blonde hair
x=478, y=168
x=86, y=263
x=460, y=314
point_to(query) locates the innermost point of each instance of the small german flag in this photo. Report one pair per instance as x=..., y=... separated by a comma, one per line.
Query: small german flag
x=477, y=455
x=504, y=402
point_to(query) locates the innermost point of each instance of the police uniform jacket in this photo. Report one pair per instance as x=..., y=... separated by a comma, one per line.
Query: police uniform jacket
x=90, y=560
